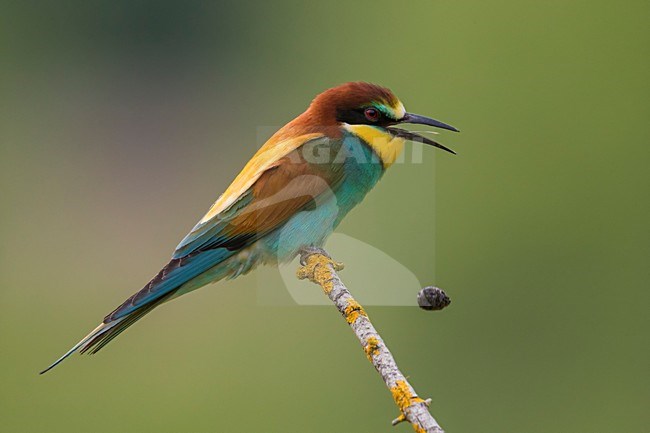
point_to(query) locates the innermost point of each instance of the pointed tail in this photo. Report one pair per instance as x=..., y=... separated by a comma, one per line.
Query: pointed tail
x=98, y=331
x=160, y=289
x=106, y=331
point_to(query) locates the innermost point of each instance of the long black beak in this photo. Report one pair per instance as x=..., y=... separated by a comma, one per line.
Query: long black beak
x=421, y=120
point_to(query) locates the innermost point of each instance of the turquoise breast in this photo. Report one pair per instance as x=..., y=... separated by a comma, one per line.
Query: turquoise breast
x=312, y=227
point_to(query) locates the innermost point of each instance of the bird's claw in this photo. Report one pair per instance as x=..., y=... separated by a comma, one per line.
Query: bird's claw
x=314, y=266
x=305, y=252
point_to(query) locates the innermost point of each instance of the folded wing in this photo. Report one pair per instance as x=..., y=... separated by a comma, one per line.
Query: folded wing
x=261, y=199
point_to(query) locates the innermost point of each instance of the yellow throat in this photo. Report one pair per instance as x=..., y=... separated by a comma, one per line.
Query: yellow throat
x=387, y=146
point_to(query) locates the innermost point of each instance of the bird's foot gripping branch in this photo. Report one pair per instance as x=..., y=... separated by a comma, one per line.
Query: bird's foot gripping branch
x=318, y=267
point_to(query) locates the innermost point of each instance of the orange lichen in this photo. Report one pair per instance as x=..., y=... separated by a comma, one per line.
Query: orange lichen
x=418, y=428
x=404, y=396
x=318, y=270
x=353, y=311
x=372, y=347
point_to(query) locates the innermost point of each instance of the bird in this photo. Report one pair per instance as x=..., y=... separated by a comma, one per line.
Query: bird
x=290, y=196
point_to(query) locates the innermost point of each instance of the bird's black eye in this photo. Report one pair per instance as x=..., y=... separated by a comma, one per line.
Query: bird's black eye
x=371, y=114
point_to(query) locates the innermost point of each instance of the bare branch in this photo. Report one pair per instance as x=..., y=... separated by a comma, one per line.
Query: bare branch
x=318, y=267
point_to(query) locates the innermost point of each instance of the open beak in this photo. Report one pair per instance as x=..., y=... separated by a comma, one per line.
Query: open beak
x=421, y=120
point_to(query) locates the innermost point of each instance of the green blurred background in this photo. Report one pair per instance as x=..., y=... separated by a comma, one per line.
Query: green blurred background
x=121, y=121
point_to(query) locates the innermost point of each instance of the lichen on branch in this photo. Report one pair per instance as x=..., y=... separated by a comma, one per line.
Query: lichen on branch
x=318, y=267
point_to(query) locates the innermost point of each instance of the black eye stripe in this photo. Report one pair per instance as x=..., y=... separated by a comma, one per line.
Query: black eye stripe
x=357, y=116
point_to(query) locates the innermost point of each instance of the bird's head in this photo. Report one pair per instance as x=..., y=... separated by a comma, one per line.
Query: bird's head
x=372, y=113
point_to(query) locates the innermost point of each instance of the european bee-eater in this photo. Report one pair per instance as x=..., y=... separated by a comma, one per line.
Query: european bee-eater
x=291, y=195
